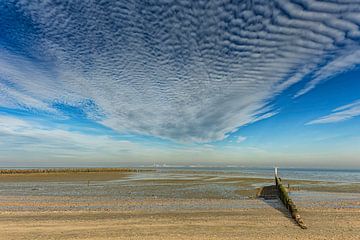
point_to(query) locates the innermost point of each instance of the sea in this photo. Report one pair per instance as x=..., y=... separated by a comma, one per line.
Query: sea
x=311, y=174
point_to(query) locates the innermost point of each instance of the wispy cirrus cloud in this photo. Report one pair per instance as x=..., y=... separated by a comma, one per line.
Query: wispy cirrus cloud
x=185, y=71
x=340, y=114
x=342, y=63
x=31, y=136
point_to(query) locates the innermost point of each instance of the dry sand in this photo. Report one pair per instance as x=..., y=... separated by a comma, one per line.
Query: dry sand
x=142, y=208
x=263, y=223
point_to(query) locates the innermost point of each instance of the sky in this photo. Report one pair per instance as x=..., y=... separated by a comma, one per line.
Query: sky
x=235, y=83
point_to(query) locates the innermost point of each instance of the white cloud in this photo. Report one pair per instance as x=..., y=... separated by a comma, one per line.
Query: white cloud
x=241, y=139
x=24, y=139
x=182, y=71
x=340, y=114
x=341, y=63
x=27, y=135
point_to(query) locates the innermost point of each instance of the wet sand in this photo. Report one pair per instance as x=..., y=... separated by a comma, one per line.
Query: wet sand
x=63, y=176
x=170, y=205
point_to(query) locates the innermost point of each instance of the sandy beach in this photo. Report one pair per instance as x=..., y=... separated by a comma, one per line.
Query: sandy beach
x=170, y=205
x=179, y=119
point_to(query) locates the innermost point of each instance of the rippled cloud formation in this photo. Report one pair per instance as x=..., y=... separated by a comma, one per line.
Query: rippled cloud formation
x=188, y=71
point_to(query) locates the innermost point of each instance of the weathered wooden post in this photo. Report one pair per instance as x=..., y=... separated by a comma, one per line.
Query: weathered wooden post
x=287, y=201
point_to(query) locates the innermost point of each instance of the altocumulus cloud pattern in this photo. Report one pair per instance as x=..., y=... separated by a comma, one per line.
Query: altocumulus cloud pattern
x=189, y=71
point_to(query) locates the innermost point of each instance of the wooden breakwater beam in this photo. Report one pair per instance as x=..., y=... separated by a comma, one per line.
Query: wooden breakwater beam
x=288, y=202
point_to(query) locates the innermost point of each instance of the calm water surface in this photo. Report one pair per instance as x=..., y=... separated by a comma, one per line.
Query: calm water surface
x=332, y=175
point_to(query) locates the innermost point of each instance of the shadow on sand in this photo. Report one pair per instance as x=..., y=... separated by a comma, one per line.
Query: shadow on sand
x=270, y=196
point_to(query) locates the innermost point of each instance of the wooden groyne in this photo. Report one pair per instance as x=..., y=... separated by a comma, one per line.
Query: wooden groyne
x=288, y=202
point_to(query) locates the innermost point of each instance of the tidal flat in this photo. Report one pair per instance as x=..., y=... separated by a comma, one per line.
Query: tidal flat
x=171, y=204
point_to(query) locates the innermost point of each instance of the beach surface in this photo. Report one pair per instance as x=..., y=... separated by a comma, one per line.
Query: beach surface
x=170, y=205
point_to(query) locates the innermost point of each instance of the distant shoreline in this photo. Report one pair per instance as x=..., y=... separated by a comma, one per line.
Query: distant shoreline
x=68, y=170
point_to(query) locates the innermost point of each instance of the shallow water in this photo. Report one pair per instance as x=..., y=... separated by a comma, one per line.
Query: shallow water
x=329, y=175
x=184, y=189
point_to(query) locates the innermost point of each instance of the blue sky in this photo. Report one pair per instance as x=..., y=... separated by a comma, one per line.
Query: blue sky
x=216, y=82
